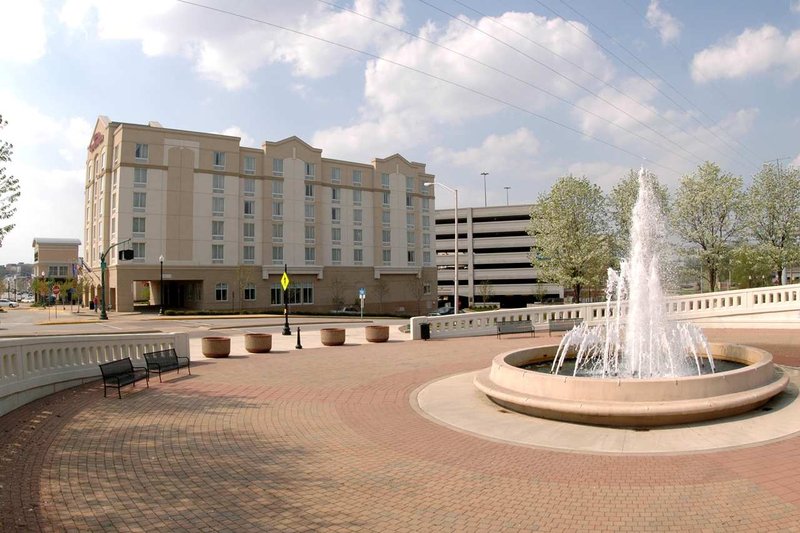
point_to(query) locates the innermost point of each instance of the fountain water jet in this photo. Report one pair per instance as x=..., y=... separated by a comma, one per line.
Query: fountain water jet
x=638, y=369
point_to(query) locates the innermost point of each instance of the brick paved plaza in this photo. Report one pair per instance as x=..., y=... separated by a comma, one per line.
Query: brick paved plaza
x=329, y=439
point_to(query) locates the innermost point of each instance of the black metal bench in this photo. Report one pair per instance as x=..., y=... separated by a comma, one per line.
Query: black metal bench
x=562, y=324
x=122, y=372
x=165, y=361
x=515, y=326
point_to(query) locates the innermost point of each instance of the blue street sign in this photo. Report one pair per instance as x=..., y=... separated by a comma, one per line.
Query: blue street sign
x=362, y=292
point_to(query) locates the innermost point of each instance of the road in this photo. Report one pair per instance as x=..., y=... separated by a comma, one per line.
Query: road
x=29, y=321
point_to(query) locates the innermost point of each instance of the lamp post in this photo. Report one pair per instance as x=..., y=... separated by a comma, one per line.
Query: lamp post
x=161, y=285
x=103, y=314
x=507, y=188
x=455, y=257
x=484, y=174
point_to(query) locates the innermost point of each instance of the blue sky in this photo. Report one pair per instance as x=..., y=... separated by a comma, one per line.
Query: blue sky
x=667, y=83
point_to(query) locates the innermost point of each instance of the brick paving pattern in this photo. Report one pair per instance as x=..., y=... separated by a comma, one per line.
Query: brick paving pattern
x=328, y=440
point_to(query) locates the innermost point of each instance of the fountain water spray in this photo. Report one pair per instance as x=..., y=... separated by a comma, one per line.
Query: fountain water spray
x=637, y=340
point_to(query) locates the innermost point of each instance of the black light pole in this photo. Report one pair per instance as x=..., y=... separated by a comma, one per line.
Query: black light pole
x=103, y=265
x=286, y=329
x=161, y=285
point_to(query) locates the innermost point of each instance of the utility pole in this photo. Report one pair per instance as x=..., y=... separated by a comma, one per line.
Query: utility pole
x=484, y=174
x=506, y=188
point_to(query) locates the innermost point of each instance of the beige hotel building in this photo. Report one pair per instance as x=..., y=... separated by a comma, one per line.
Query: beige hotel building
x=225, y=219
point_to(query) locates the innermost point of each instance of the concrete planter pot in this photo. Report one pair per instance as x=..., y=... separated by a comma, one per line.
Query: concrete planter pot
x=332, y=336
x=215, y=347
x=258, y=342
x=377, y=333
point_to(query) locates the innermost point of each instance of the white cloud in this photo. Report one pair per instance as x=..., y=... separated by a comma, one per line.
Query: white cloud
x=236, y=131
x=796, y=161
x=23, y=37
x=227, y=49
x=754, y=51
x=496, y=152
x=601, y=173
x=794, y=6
x=669, y=28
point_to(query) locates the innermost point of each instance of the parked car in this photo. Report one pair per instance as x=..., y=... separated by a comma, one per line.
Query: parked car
x=5, y=302
x=442, y=311
x=27, y=300
x=347, y=310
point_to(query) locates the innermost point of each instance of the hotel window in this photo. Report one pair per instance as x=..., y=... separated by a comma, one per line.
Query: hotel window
x=217, y=253
x=139, y=201
x=411, y=237
x=116, y=153
x=311, y=235
x=250, y=292
x=358, y=216
x=249, y=208
x=426, y=203
x=138, y=250
x=249, y=231
x=277, y=188
x=249, y=254
x=217, y=183
x=386, y=255
x=386, y=218
x=219, y=159
x=336, y=256
x=357, y=177
x=336, y=175
x=309, y=212
x=385, y=198
x=310, y=255
x=249, y=187
x=96, y=166
x=103, y=159
x=139, y=225
x=357, y=197
x=249, y=164
x=277, y=232
x=277, y=209
x=409, y=201
x=221, y=292
x=336, y=235
x=277, y=255
x=385, y=180
x=114, y=226
x=411, y=257
x=311, y=171
x=217, y=206
x=277, y=167
x=217, y=230
x=114, y=178
x=358, y=256
x=276, y=295
x=310, y=191
x=141, y=152
x=426, y=257
x=336, y=195
x=409, y=184
x=113, y=202
x=336, y=215
x=410, y=220
x=426, y=288
x=426, y=240
x=426, y=222
x=140, y=177
x=358, y=236
x=386, y=237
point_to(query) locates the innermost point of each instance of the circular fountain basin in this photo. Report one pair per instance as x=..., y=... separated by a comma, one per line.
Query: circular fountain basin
x=632, y=402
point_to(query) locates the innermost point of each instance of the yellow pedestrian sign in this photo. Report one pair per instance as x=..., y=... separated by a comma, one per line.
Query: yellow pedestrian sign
x=284, y=281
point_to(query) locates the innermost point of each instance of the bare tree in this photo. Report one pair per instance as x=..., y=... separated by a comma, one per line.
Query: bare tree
x=381, y=291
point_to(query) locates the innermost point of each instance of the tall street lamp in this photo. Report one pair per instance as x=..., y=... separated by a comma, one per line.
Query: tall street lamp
x=507, y=188
x=161, y=285
x=455, y=257
x=484, y=174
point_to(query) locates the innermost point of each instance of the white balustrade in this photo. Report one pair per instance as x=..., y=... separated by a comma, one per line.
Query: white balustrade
x=34, y=367
x=781, y=301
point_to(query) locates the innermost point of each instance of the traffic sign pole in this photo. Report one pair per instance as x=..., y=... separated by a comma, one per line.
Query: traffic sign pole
x=285, y=284
x=362, y=293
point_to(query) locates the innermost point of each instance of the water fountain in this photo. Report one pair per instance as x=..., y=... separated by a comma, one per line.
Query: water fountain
x=637, y=368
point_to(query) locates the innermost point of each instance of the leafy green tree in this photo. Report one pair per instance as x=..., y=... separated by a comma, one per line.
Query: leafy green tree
x=570, y=227
x=772, y=215
x=706, y=214
x=9, y=186
x=621, y=201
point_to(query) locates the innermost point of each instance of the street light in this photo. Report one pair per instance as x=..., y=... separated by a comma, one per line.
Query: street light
x=507, y=188
x=161, y=285
x=484, y=174
x=455, y=259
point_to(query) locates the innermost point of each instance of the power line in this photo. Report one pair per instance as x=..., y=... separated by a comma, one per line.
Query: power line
x=427, y=74
x=656, y=87
x=565, y=77
x=513, y=77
